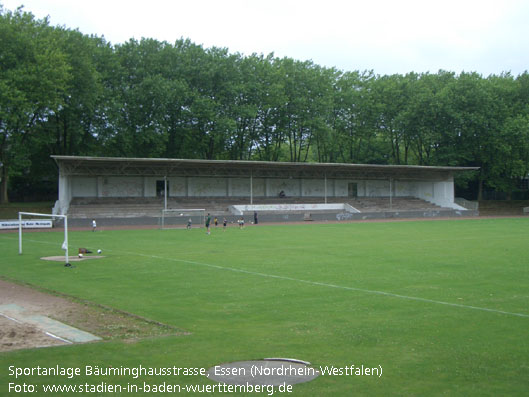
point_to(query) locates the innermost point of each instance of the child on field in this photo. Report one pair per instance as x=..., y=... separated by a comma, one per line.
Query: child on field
x=208, y=221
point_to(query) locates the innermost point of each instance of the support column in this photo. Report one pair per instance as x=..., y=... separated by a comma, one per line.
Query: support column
x=164, y=192
x=65, y=193
x=390, y=193
x=325, y=176
x=251, y=187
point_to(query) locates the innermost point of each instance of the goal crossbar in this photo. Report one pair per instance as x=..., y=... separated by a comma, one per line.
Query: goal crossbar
x=64, y=244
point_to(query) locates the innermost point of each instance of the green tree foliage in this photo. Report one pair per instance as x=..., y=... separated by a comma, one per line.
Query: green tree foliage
x=34, y=77
x=353, y=119
x=62, y=92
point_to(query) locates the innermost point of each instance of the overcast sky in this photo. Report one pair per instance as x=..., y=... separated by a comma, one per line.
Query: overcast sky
x=400, y=36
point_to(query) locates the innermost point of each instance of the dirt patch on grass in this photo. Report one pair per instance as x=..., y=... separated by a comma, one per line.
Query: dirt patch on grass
x=105, y=322
x=70, y=258
x=14, y=336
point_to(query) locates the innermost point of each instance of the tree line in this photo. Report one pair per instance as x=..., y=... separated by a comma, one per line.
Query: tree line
x=64, y=92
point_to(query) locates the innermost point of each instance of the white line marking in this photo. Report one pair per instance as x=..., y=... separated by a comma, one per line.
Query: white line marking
x=368, y=291
x=58, y=337
x=11, y=318
x=47, y=333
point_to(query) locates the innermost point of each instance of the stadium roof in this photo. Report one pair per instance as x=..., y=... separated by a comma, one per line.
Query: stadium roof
x=120, y=166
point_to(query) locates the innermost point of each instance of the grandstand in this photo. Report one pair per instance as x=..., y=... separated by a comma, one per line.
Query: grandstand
x=134, y=191
x=150, y=207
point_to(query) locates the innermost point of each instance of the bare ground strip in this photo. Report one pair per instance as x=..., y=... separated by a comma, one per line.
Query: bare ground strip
x=104, y=322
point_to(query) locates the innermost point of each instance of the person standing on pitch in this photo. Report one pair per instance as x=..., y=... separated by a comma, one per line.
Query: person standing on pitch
x=255, y=219
x=208, y=221
x=224, y=224
x=94, y=225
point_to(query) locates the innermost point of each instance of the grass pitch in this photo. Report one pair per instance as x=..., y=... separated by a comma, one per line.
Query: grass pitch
x=442, y=307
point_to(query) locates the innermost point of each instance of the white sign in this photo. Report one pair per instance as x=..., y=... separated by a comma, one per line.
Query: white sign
x=240, y=209
x=27, y=224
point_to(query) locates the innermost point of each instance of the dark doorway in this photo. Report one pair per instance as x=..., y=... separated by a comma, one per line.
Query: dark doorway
x=353, y=190
x=160, y=188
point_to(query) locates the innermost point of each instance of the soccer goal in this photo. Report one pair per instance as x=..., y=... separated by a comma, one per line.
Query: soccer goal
x=21, y=222
x=175, y=217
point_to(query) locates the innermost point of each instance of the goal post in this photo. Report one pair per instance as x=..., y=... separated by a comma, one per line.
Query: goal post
x=178, y=217
x=36, y=214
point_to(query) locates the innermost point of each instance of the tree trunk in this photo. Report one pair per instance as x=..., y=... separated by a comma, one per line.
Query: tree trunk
x=4, y=199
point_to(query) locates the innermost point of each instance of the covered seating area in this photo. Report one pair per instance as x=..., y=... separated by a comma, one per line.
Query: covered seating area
x=119, y=187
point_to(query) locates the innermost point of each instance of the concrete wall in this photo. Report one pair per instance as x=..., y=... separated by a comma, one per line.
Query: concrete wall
x=376, y=188
x=316, y=188
x=241, y=187
x=177, y=186
x=438, y=192
x=62, y=205
x=149, y=186
x=84, y=187
x=122, y=186
x=291, y=187
x=207, y=187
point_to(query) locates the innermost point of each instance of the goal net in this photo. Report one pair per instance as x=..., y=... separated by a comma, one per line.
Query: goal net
x=176, y=218
x=32, y=215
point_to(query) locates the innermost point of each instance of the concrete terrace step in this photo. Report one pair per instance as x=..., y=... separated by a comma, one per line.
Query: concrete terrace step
x=151, y=207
